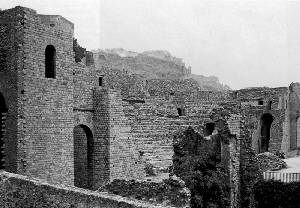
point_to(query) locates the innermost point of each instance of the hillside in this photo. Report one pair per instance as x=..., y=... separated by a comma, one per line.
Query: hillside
x=154, y=65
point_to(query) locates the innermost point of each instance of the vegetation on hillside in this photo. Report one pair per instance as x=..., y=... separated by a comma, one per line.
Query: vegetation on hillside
x=155, y=65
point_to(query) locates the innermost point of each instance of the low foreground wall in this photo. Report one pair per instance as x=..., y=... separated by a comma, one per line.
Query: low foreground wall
x=21, y=191
x=281, y=176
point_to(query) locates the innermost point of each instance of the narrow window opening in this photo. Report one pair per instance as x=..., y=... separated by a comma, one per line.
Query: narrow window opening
x=50, y=59
x=235, y=95
x=179, y=111
x=260, y=102
x=100, y=81
x=269, y=107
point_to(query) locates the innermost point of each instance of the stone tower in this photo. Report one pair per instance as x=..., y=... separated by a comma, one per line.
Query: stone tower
x=36, y=94
x=58, y=122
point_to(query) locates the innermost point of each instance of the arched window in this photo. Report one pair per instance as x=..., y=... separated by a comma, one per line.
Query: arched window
x=50, y=59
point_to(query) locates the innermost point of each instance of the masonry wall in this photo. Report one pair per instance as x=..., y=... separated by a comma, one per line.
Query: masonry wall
x=154, y=120
x=85, y=79
x=47, y=103
x=11, y=39
x=19, y=191
x=234, y=124
x=130, y=85
x=116, y=154
x=292, y=117
x=256, y=102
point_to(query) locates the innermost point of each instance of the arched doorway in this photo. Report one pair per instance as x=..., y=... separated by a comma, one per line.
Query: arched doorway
x=3, y=113
x=266, y=121
x=83, y=157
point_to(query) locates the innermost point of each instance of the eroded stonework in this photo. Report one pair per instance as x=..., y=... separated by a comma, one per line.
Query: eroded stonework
x=76, y=122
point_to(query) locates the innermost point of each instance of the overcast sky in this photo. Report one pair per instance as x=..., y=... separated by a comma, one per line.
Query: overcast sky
x=244, y=42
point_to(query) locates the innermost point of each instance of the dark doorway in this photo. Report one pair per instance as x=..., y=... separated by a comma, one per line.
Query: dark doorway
x=3, y=113
x=83, y=157
x=209, y=129
x=50, y=59
x=266, y=121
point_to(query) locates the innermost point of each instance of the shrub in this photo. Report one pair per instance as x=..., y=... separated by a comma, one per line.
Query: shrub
x=277, y=194
x=268, y=161
x=279, y=154
x=171, y=191
x=196, y=161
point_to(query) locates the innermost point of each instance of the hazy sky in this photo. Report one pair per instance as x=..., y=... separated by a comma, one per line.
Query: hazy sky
x=244, y=42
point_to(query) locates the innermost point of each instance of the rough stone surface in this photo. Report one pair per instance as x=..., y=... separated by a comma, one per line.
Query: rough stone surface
x=19, y=191
x=171, y=191
x=42, y=115
x=131, y=119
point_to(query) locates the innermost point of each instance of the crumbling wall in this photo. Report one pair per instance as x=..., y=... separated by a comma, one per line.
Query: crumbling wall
x=256, y=102
x=20, y=191
x=154, y=120
x=234, y=125
x=292, y=108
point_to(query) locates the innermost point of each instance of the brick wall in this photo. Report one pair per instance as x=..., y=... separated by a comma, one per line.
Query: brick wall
x=154, y=120
x=83, y=157
x=11, y=53
x=234, y=124
x=292, y=111
x=256, y=102
x=116, y=154
x=47, y=103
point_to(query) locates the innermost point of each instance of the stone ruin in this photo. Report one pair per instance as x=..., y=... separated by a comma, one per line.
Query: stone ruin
x=65, y=122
